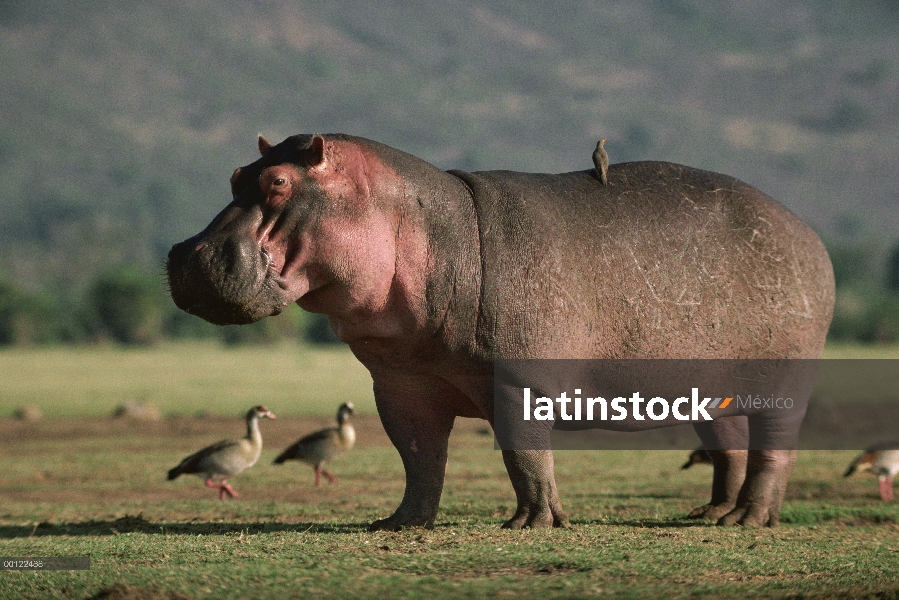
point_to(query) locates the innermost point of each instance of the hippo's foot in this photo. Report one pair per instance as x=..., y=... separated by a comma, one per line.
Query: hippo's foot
x=538, y=517
x=531, y=472
x=410, y=514
x=752, y=516
x=711, y=512
x=398, y=523
x=729, y=476
x=762, y=494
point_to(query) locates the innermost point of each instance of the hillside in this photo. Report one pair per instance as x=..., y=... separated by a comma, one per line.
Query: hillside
x=120, y=122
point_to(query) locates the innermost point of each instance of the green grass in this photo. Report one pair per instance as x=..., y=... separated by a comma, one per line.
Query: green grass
x=285, y=538
x=86, y=485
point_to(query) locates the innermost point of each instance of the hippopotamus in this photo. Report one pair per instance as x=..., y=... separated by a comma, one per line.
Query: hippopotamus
x=431, y=276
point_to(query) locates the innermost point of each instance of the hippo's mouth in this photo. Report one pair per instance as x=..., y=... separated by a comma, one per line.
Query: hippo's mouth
x=226, y=284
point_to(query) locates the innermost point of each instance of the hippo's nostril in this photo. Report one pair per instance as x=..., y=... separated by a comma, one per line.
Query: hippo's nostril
x=231, y=256
x=183, y=255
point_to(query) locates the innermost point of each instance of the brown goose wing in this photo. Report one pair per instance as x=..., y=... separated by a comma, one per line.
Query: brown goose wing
x=302, y=448
x=191, y=464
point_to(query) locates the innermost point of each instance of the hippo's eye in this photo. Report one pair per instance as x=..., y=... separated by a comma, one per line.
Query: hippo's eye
x=274, y=181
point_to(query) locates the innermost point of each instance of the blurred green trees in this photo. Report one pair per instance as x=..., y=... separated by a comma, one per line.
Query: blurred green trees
x=25, y=318
x=125, y=306
x=131, y=306
x=867, y=304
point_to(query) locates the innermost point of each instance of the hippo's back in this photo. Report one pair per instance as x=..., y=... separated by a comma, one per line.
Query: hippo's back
x=664, y=262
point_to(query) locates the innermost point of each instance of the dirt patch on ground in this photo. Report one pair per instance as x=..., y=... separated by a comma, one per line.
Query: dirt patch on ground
x=123, y=591
x=276, y=433
x=279, y=431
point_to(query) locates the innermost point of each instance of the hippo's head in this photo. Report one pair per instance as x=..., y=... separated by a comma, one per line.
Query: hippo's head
x=311, y=221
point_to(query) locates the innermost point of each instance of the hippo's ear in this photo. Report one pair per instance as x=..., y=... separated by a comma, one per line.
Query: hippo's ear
x=315, y=153
x=264, y=145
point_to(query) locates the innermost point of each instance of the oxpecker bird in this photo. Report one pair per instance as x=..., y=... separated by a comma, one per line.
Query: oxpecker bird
x=601, y=161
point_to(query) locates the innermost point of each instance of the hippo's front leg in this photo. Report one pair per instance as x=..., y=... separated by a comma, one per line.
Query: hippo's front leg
x=531, y=472
x=419, y=425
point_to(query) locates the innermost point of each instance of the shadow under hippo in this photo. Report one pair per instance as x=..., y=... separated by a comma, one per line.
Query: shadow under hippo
x=432, y=276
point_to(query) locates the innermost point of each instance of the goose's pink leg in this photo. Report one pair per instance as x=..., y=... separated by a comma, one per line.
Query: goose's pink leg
x=223, y=487
x=226, y=487
x=886, y=487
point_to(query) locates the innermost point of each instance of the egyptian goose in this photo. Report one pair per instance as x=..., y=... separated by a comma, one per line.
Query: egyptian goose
x=228, y=457
x=698, y=457
x=881, y=460
x=324, y=446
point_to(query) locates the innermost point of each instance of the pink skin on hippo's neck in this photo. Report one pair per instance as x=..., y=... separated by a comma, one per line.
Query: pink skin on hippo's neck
x=358, y=259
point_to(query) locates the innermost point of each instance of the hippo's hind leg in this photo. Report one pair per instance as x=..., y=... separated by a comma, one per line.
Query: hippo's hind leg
x=419, y=425
x=531, y=472
x=726, y=441
x=773, y=439
x=762, y=496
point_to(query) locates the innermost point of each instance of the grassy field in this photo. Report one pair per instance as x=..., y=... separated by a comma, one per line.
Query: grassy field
x=183, y=379
x=195, y=378
x=85, y=484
